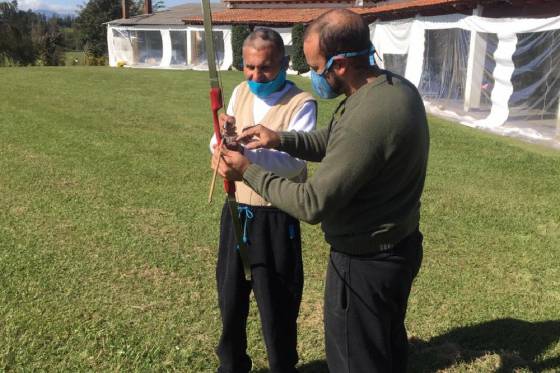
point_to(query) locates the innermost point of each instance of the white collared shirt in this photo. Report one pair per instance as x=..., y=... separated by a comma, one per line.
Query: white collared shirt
x=272, y=160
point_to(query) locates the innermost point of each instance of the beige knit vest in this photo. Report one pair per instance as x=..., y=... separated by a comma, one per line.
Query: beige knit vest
x=278, y=118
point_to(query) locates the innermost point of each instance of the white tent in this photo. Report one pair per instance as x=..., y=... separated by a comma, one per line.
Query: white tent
x=169, y=47
x=166, y=46
x=163, y=40
x=501, y=74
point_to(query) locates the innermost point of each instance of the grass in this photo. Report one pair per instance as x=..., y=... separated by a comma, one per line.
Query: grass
x=108, y=247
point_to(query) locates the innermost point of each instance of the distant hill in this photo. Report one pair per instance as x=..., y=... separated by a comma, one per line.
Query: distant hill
x=49, y=13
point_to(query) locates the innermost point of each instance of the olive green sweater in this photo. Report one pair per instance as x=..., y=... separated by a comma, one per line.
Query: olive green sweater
x=366, y=190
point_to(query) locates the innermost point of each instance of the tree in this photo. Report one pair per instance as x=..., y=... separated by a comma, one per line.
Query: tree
x=27, y=38
x=16, y=45
x=65, y=21
x=90, y=23
x=138, y=6
x=7, y=7
x=48, y=39
x=298, y=58
x=6, y=30
x=71, y=39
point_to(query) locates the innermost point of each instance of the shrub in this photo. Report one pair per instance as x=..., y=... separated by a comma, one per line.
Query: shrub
x=238, y=35
x=92, y=60
x=298, y=59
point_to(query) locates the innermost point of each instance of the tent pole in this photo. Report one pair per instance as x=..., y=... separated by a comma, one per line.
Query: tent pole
x=475, y=68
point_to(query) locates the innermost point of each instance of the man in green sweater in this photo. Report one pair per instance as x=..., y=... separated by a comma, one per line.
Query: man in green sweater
x=366, y=192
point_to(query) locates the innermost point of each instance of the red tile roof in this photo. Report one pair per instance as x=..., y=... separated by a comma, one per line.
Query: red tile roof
x=283, y=2
x=289, y=16
x=261, y=16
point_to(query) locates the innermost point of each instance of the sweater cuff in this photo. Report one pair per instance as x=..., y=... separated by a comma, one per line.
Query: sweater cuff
x=287, y=141
x=252, y=175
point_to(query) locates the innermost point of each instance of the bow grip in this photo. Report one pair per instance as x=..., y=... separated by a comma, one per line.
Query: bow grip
x=216, y=103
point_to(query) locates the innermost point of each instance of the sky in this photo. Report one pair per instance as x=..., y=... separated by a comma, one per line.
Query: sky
x=71, y=6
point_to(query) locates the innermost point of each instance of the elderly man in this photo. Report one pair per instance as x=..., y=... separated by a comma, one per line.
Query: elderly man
x=273, y=236
x=366, y=192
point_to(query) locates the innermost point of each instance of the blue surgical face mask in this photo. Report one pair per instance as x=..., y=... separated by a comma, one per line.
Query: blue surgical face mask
x=319, y=81
x=321, y=86
x=263, y=90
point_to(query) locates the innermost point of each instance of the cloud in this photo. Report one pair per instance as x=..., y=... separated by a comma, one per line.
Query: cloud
x=44, y=5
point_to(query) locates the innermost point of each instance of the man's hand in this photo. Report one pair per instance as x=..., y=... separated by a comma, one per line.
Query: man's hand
x=259, y=137
x=227, y=125
x=229, y=132
x=232, y=165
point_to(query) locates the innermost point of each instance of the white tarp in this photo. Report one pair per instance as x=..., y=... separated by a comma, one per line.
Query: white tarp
x=501, y=74
x=169, y=47
x=173, y=47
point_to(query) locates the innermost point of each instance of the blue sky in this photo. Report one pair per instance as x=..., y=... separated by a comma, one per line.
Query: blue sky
x=71, y=6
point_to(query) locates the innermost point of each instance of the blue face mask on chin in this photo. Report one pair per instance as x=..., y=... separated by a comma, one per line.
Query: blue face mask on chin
x=263, y=90
x=319, y=81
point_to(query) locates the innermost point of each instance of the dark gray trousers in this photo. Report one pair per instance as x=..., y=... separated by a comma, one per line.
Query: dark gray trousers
x=365, y=306
x=277, y=281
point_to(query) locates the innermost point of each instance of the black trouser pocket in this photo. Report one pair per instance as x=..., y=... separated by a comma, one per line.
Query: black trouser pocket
x=343, y=292
x=337, y=287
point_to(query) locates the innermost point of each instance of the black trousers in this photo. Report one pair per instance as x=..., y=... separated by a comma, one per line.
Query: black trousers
x=365, y=306
x=274, y=242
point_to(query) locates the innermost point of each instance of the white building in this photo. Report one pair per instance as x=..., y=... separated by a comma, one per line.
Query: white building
x=163, y=40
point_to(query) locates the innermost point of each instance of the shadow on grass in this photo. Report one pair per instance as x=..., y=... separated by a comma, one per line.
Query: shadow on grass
x=511, y=344
x=499, y=346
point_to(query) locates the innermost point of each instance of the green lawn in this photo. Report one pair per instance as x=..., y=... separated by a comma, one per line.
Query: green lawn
x=108, y=247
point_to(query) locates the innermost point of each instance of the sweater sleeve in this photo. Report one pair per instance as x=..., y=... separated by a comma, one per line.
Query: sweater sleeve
x=309, y=146
x=281, y=163
x=351, y=161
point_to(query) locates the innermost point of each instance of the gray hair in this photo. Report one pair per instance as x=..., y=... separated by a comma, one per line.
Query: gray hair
x=266, y=35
